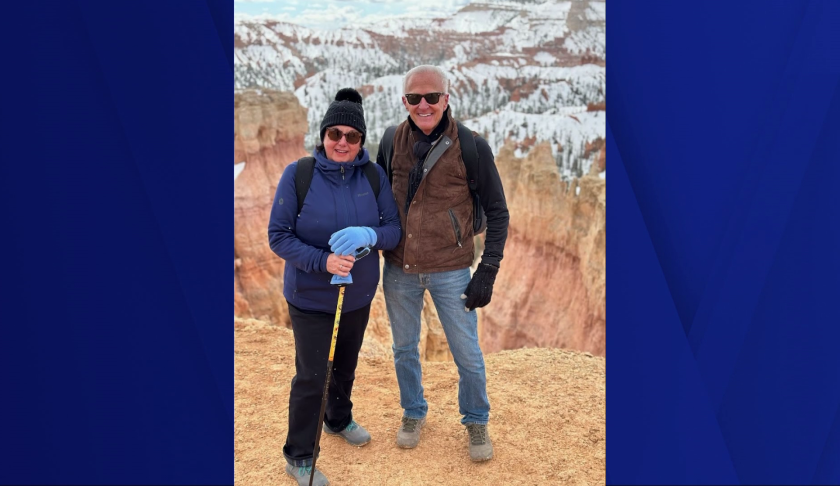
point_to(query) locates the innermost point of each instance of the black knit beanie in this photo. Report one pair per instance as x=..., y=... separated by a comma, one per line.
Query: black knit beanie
x=345, y=110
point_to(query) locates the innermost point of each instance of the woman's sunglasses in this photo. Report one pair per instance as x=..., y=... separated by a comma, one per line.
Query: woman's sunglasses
x=352, y=137
x=431, y=98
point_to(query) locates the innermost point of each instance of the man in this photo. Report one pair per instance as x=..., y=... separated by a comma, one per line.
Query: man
x=436, y=251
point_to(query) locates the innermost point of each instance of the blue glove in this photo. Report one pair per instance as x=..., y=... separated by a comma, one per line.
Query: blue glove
x=345, y=242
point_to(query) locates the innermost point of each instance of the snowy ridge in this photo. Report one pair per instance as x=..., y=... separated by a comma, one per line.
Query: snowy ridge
x=474, y=21
x=535, y=64
x=590, y=40
x=568, y=134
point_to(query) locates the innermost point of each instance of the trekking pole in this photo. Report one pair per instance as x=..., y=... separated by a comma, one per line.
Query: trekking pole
x=341, y=283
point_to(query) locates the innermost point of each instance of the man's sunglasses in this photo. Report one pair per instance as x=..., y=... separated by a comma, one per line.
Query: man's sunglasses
x=352, y=137
x=431, y=98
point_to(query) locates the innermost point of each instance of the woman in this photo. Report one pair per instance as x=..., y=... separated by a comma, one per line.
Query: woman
x=340, y=209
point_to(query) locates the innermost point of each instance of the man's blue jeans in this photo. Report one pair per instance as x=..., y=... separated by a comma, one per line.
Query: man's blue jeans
x=404, y=301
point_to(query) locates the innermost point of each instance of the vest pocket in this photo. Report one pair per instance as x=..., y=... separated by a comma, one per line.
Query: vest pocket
x=455, y=227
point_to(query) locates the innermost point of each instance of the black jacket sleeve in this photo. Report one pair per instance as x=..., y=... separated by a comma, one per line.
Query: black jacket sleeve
x=492, y=197
x=380, y=159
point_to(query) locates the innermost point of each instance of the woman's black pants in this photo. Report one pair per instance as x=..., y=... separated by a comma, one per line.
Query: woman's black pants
x=313, y=333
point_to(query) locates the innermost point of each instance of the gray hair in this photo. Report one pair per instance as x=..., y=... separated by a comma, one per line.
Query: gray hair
x=427, y=69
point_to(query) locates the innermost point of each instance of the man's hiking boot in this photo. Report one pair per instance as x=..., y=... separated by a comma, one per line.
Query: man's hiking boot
x=409, y=434
x=481, y=449
x=301, y=474
x=354, y=434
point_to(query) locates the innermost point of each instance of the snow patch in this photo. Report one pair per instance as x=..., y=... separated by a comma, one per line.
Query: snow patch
x=544, y=58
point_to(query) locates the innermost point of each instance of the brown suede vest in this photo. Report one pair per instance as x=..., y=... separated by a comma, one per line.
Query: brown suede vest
x=437, y=233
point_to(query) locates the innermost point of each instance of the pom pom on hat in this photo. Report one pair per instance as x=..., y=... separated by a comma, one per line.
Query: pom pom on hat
x=348, y=94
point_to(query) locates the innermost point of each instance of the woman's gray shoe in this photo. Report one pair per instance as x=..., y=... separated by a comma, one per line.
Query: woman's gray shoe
x=409, y=434
x=354, y=434
x=481, y=449
x=301, y=473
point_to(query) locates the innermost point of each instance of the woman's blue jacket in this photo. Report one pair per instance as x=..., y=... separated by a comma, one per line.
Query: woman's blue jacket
x=339, y=196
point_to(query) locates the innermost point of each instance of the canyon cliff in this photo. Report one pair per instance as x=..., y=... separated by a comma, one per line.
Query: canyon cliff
x=269, y=127
x=551, y=291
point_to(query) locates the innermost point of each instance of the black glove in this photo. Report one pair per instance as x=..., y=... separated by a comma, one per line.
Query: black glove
x=480, y=288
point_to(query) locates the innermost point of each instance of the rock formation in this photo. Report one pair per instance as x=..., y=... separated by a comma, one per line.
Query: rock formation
x=551, y=291
x=269, y=127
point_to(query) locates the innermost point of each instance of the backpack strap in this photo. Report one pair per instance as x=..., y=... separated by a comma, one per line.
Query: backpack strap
x=469, y=153
x=387, y=143
x=303, y=178
x=306, y=168
x=373, y=177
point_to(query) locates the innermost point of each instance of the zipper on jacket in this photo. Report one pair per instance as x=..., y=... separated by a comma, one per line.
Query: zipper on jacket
x=455, y=227
x=345, y=191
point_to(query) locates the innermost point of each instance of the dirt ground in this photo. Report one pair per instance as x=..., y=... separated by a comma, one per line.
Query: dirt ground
x=547, y=419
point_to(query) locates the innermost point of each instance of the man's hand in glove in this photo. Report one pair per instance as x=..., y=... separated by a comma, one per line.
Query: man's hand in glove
x=345, y=242
x=480, y=288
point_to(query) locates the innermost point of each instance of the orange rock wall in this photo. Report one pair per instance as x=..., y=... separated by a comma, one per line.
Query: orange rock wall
x=269, y=128
x=551, y=290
